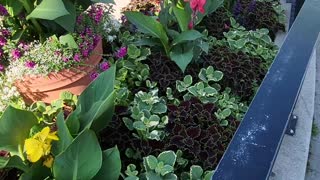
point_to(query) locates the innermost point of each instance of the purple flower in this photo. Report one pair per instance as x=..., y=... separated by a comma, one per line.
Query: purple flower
x=76, y=57
x=237, y=8
x=121, y=52
x=252, y=6
x=30, y=64
x=79, y=19
x=5, y=32
x=3, y=11
x=3, y=41
x=94, y=75
x=85, y=52
x=1, y=68
x=104, y=66
x=16, y=54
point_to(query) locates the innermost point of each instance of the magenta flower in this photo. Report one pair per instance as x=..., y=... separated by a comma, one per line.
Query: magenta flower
x=76, y=57
x=3, y=41
x=16, y=54
x=104, y=66
x=65, y=59
x=121, y=52
x=3, y=11
x=85, y=52
x=79, y=19
x=1, y=68
x=24, y=46
x=30, y=64
x=94, y=75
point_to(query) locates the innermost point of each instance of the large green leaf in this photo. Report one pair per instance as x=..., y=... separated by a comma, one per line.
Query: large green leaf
x=96, y=102
x=149, y=25
x=183, y=18
x=81, y=160
x=65, y=138
x=13, y=162
x=49, y=9
x=189, y=35
x=15, y=125
x=111, y=165
x=68, y=21
x=182, y=56
x=68, y=40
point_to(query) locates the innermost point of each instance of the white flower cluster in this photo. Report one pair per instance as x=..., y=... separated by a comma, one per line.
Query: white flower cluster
x=8, y=93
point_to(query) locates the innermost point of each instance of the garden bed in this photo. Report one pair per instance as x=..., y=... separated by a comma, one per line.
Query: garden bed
x=179, y=89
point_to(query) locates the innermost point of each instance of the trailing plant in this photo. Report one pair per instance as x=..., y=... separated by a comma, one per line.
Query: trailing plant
x=48, y=113
x=181, y=45
x=256, y=43
x=131, y=72
x=148, y=117
x=160, y=167
x=41, y=152
x=207, y=91
x=196, y=172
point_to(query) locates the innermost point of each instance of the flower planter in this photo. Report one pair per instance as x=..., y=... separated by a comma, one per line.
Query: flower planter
x=48, y=88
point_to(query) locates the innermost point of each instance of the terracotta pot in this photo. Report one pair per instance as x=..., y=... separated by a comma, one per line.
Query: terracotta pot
x=48, y=88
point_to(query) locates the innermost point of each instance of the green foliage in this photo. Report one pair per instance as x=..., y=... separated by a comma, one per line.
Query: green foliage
x=148, y=117
x=181, y=46
x=15, y=125
x=131, y=73
x=77, y=154
x=161, y=167
x=96, y=103
x=208, y=91
x=256, y=43
x=47, y=113
x=197, y=173
x=42, y=18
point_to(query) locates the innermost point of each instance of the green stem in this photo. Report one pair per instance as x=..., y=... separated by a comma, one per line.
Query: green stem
x=29, y=7
x=21, y=152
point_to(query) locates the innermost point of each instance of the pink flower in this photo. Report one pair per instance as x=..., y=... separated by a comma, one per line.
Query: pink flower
x=1, y=68
x=65, y=59
x=3, y=11
x=190, y=25
x=30, y=64
x=121, y=52
x=94, y=75
x=104, y=66
x=76, y=57
x=16, y=54
x=3, y=41
x=197, y=5
x=85, y=52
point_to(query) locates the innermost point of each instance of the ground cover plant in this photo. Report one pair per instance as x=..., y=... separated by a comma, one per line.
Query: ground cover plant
x=175, y=82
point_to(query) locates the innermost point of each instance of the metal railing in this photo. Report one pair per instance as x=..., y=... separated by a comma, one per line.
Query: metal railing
x=254, y=147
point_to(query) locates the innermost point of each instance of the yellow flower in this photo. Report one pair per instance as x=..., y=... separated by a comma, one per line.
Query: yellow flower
x=48, y=162
x=40, y=144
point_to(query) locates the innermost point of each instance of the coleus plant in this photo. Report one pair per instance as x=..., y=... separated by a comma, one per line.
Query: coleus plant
x=68, y=150
x=182, y=44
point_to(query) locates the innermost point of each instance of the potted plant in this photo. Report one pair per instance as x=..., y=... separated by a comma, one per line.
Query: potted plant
x=50, y=50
